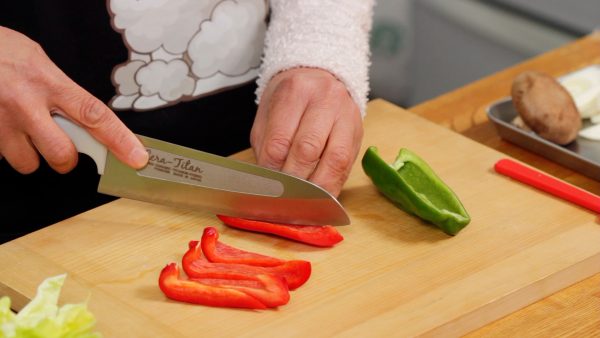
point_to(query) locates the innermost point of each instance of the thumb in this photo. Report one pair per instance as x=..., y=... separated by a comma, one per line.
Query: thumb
x=102, y=123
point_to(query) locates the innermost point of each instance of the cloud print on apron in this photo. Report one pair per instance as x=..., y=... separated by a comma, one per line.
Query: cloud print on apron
x=180, y=50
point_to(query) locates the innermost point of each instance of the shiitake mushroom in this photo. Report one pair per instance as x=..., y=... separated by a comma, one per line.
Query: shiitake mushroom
x=546, y=107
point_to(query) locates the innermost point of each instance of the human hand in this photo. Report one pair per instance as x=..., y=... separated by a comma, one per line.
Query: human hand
x=31, y=88
x=309, y=126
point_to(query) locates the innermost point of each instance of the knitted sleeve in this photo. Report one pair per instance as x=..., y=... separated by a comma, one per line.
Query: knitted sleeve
x=327, y=34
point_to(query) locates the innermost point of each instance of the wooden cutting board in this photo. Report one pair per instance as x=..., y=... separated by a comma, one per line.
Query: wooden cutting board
x=393, y=275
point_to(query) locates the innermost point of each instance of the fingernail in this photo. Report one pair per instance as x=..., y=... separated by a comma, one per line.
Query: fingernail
x=138, y=157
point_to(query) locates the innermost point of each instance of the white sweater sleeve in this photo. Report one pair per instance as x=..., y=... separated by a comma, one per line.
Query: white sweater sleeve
x=327, y=34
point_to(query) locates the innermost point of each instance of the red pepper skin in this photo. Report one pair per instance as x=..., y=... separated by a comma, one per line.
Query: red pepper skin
x=270, y=290
x=317, y=235
x=193, y=292
x=228, y=282
x=272, y=293
x=218, y=252
x=295, y=273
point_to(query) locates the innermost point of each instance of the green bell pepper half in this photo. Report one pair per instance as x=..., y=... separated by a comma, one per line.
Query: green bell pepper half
x=414, y=187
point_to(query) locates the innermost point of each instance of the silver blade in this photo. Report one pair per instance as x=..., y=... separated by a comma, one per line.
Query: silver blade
x=188, y=178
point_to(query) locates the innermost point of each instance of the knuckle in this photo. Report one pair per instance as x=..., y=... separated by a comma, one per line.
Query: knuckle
x=31, y=74
x=33, y=66
x=26, y=165
x=308, y=149
x=293, y=84
x=339, y=161
x=18, y=102
x=60, y=157
x=30, y=118
x=31, y=78
x=276, y=150
x=336, y=88
x=37, y=48
x=254, y=138
x=92, y=111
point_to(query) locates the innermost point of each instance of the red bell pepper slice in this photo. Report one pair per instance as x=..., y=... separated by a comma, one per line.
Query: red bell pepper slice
x=218, y=252
x=317, y=235
x=295, y=273
x=224, y=282
x=254, y=292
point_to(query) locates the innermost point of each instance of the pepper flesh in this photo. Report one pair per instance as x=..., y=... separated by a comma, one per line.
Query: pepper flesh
x=255, y=292
x=295, y=272
x=415, y=188
x=317, y=235
x=218, y=252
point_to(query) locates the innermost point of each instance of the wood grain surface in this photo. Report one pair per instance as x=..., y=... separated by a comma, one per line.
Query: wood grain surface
x=393, y=275
x=575, y=311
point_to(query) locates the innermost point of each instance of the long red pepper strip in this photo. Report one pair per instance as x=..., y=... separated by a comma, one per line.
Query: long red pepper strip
x=269, y=289
x=227, y=282
x=218, y=252
x=193, y=292
x=317, y=235
x=294, y=272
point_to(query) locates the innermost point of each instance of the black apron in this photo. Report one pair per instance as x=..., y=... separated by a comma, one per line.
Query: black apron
x=77, y=36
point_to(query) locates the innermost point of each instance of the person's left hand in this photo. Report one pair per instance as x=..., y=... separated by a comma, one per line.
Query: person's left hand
x=309, y=126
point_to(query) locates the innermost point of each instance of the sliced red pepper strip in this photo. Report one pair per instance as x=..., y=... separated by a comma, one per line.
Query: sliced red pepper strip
x=218, y=252
x=224, y=282
x=198, y=293
x=295, y=272
x=317, y=235
x=272, y=291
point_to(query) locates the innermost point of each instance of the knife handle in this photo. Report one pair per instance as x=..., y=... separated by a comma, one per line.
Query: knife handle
x=549, y=184
x=83, y=141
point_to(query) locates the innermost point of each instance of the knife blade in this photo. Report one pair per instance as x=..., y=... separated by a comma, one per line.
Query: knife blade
x=183, y=177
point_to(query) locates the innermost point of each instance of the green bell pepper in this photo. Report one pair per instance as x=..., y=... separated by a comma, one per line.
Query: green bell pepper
x=413, y=186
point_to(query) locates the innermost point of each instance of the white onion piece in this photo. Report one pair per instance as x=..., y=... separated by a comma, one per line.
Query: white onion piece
x=584, y=87
x=591, y=133
x=588, y=102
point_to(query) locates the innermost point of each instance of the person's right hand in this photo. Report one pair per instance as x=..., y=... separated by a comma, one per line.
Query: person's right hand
x=31, y=88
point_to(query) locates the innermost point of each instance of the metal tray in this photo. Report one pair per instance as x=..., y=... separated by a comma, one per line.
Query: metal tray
x=581, y=155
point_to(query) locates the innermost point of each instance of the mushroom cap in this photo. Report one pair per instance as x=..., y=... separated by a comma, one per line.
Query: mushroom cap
x=546, y=107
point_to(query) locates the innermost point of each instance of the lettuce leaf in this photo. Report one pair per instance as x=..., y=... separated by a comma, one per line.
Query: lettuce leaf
x=42, y=317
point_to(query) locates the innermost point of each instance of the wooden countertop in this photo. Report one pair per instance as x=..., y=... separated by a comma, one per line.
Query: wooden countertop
x=574, y=311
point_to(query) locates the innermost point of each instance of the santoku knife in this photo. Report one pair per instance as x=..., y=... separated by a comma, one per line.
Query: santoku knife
x=188, y=178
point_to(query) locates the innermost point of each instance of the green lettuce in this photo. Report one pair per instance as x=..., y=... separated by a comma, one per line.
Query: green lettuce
x=42, y=317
